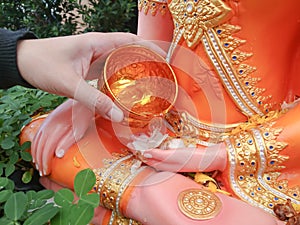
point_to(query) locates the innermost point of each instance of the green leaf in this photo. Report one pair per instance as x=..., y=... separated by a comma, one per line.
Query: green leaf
x=26, y=156
x=25, y=146
x=45, y=194
x=15, y=205
x=62, y=217
x=42, y=215
x=81, y=215
x=13, y=158
x=90, y=199
x=7, y=143
x=10, y=168
x=10, y=185
x=3, y=182
x=4, y=195
x=84, y=182
x=31, y=195
x=6, y=221
x=26, y=177
x=36, y=204
x=64, y=197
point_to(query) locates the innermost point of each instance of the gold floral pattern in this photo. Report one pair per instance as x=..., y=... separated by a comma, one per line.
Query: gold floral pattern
x=185, y=125
x=255, y=164
x=194, y=17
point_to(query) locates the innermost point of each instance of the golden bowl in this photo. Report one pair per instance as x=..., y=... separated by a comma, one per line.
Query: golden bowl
x=140, y=81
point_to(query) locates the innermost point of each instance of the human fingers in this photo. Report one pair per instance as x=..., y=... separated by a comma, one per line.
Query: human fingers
x=98, y=102
x=103, y=43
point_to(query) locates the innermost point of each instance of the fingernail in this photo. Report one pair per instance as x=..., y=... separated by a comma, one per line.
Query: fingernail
x=44, y=171
x=41, y=174
x=37, y=166
x=148, y=155
x=60, y=153
x=115, y=114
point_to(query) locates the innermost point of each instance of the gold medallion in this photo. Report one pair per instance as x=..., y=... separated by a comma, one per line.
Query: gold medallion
x=199, y=204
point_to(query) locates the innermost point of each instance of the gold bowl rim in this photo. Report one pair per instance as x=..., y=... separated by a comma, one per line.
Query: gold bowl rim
x=106, y=84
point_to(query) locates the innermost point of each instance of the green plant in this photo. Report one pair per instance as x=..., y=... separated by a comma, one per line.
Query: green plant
x=50, y=18
x=109, y=15
x=17, y=106
x=45, y=18
x=59, y=207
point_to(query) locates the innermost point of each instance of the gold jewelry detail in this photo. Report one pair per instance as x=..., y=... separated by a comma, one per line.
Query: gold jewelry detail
x=113, y=179
x=193, y=17
x=241, y=70
x=199, y=204
x=185, y=125
x=116, y=219
x=255, y=164
x=203, y=21
x=257, y=120
x=153, y=6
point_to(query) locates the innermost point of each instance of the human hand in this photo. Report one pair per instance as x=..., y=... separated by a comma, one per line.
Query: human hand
x=186, y=159
x=62, y=65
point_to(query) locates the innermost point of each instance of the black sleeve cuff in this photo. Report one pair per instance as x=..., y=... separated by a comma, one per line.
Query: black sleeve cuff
x=9, y=72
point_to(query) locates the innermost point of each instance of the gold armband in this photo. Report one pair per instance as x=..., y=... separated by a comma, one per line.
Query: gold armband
x=113, y=179
x=116, y=219
x=255, y=163
x=153, y=6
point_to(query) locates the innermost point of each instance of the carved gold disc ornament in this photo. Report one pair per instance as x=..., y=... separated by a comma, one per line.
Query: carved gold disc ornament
x=199, y=204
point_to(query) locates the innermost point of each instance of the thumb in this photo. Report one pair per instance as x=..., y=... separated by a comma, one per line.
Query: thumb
x=97, y=102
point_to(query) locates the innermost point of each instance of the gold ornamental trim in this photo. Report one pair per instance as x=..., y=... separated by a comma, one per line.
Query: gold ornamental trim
x=153, y=6
x=195, y=17
x=199, y=204
x=206, y=22
x=256, y=162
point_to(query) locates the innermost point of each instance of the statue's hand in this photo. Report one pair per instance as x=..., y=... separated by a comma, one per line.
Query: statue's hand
x=62, y=128
x=186, y=159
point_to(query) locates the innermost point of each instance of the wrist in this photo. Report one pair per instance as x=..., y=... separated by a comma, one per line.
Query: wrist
x=114, y=179
x=10, y=74
x=132, y=196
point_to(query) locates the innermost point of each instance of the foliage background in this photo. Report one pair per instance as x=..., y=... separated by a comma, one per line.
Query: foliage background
x=21, y=200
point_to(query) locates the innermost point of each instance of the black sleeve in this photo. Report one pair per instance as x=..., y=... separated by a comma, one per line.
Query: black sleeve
x=9, y=72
